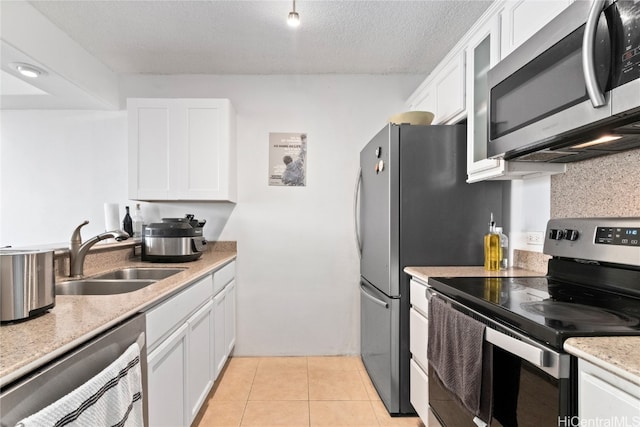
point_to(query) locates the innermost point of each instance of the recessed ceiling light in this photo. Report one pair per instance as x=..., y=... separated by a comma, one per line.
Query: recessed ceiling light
x=29, y=70
x=293, y=19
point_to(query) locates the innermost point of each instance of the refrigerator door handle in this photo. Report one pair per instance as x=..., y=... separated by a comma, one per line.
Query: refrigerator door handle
x=356, y=204
x=372, y=298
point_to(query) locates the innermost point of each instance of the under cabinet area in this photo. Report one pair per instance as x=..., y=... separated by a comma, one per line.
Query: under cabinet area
x=182, y=149
x=191, y=336
x=605, y=398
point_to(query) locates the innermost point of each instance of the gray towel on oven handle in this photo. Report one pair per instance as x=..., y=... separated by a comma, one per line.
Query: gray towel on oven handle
x=455, y=351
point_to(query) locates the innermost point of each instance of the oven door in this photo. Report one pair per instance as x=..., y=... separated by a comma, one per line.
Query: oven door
x=540, y=90
x=532, y=385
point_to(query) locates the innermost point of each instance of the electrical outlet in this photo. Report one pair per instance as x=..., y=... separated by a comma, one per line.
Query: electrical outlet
x=535, y=237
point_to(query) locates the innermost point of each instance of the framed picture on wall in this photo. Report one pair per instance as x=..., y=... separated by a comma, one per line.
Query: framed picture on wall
x=287, y=159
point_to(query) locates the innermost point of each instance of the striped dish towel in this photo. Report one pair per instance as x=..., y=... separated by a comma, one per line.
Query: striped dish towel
x=111, y=398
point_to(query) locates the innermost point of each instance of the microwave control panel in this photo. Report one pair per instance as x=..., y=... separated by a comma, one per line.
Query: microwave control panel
x=629, y=16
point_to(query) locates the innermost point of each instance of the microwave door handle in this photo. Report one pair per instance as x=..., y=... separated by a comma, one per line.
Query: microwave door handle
x=588, y=52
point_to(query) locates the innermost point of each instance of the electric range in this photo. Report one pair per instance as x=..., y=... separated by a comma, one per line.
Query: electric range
x=592, y=288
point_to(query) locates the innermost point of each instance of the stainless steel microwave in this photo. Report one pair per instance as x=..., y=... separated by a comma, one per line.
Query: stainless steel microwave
x=572, y=91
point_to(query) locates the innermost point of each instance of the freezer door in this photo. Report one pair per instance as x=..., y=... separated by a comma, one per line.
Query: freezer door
x=379, y=210
x=379, y=346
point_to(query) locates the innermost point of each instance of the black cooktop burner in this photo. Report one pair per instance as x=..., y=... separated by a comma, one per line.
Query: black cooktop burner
x=545, y=309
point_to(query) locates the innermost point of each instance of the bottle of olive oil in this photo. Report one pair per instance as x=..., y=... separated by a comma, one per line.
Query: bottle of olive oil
x=492, y=256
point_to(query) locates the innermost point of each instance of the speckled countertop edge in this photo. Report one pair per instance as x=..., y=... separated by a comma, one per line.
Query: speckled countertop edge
x=76, y=319
x=618, y=355
x=424, y=273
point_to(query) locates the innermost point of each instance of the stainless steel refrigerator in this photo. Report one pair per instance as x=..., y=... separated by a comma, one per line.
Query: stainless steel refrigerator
x=415, y=209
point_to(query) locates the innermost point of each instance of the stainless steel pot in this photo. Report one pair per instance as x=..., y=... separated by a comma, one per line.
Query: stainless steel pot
x=27, y=283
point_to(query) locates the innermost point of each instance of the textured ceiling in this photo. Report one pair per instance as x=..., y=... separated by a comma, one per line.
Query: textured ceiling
x=251, y=37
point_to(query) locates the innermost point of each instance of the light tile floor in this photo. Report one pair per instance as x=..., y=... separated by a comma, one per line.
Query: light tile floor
x=296, y=392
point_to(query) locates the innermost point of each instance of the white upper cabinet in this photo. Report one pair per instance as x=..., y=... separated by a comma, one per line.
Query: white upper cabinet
x=182, y=149
x=483, y=52
x=520, y=19
x=458, y=86
x=443, y=91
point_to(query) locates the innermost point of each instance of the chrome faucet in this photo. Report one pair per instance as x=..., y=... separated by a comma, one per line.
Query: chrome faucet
x=78, y=250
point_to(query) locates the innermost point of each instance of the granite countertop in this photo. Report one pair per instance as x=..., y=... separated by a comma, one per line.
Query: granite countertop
x=466, y=271
x=618, y=355
x=75, y=319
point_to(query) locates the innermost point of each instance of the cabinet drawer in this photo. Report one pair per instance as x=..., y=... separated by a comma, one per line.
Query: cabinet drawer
x=172, y=313
x=419, y=392
x=223, y=276
x=418, y=298
x=418, y=337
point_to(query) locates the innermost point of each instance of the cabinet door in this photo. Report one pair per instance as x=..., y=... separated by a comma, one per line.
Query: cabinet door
x=201, y=365
x=425, y=100
x=522, y=19
x=606, y=398
x=182, y=149
x=449, y=86
x=167, y=381
x=149, y=149
x=220, y=347
x=205, y=160
x=230, y=317
x=418, y=338
x=419, y=391
x=483, y=52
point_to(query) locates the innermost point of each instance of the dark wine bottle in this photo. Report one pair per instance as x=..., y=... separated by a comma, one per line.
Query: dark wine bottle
x=127, y=223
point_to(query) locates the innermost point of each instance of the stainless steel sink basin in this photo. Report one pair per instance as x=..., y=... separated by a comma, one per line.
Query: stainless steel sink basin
x=137, y=273
x=100, y=286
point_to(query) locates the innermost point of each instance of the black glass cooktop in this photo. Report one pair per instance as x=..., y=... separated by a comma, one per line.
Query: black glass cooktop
x=544, y=309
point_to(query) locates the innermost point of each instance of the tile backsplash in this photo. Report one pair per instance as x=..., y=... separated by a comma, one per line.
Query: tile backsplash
x=606, y=186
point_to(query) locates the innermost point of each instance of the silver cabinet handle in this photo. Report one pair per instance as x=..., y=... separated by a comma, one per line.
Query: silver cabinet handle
x=525, y=351
x=372, y=298
x=356, y=200
x=588, y=46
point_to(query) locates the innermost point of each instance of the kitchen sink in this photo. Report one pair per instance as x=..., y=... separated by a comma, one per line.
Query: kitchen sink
x=100, y=286
x=138, y=273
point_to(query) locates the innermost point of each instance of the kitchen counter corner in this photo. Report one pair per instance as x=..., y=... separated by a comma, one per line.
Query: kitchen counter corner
x=618, y=355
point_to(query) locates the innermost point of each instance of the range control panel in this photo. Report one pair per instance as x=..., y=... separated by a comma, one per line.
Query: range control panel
x=626, y=236
x=612, y=240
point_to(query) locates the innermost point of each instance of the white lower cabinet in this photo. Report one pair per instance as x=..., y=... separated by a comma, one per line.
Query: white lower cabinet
x=230, y=317
x=418, y=341
x=189, y=339
x=201, y=349
x=605, y=398
x=220, y=354
x=167, y=379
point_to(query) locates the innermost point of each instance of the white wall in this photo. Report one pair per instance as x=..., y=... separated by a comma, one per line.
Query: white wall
x=57, y=169
x=297, y=261
x=530, y=211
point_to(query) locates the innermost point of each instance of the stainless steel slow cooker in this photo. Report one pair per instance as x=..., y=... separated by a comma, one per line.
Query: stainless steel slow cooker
x=173, y=240
x=27, y=283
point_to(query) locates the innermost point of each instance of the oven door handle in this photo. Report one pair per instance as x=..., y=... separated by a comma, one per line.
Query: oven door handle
x=534, y=355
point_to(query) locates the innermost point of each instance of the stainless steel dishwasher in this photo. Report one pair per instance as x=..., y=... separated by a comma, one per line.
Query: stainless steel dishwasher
x=49, y=383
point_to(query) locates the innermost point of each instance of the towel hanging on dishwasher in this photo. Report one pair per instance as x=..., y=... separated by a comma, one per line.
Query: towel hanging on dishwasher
x=111, y=398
